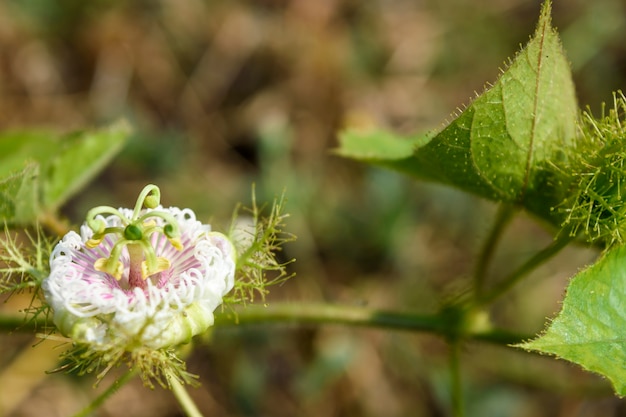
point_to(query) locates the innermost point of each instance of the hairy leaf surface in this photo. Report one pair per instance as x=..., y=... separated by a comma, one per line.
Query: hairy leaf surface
x=505, y=145
x=589, y=330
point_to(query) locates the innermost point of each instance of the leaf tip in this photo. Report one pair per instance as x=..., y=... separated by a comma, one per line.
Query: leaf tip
x=546, y=10
x=545, y=16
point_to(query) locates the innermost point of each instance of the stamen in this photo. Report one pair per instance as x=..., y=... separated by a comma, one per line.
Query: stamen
x=135, y=235
x=110, y=266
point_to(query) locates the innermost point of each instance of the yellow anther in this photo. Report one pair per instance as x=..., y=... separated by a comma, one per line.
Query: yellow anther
x=92, y=243
x=175, y=241
x=115, y=268
x=162, y=264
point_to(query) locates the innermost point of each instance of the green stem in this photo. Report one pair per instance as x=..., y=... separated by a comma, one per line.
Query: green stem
x=298, y=314
x=322, y=314
x=185, y=401
x=503, y=217
x=316, y=314
x=112, y=389
x=456, y=385
x=11, y=323
x=51, y=222
x=538, y=259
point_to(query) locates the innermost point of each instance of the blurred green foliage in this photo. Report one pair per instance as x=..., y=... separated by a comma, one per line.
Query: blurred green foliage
x=40, y=171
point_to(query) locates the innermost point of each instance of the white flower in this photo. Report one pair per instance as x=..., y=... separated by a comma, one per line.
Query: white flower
x=96, y=295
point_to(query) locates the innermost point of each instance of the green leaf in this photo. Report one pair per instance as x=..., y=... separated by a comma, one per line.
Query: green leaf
x=18, y=195
x=589, y=330
x=79, y=158
x=506, y=143
x=381, y=148
x=39, y=171
x=377, y=145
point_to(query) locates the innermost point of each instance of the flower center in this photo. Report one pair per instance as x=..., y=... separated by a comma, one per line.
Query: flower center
x=135, y=236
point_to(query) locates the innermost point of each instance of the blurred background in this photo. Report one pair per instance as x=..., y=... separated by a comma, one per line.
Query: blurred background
x=226, y=93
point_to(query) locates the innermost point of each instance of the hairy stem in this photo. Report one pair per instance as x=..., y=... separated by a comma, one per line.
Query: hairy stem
x=112, y=389
x=298, y=314
x=322, y=314
x=533, y=263
x=456, y=385
x=185, y=401
x=53, y=224
x=503, y=218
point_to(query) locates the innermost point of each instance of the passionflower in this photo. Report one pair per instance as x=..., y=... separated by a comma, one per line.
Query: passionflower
x=148, y=277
